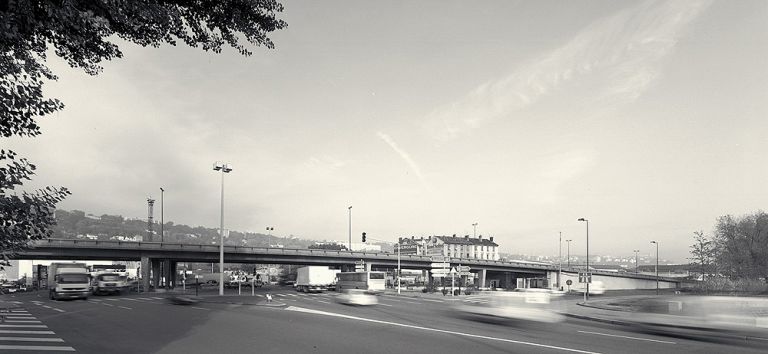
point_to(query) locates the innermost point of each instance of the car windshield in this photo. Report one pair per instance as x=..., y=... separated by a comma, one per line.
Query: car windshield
x=110, y=277
x=72, y=278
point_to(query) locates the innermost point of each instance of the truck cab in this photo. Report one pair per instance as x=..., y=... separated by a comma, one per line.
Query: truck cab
x=68, y=281
x=108, y=283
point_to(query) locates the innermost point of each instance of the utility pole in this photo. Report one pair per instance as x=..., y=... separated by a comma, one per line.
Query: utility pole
x=568, y=243
x=162, y=221
x=474, y=228
x=350, y=228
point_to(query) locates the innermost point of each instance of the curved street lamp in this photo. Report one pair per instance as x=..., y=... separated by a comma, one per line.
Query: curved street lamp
x=657, y=266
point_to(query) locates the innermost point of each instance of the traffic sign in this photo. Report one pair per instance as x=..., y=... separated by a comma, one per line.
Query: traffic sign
x=568, y=282
x=453, y=270
x=463, y=268
x=463, y=273
x=439, y=275
x=585, y=277
x=440, y=271
x=439, y=265
x=361, y=262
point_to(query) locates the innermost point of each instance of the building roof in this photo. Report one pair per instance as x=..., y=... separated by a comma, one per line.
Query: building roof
x=453, y=240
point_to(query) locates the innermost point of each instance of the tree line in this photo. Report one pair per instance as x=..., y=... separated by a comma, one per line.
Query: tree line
x=736, y=250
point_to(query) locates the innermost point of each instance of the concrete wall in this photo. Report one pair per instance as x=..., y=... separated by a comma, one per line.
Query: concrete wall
x=610, y=282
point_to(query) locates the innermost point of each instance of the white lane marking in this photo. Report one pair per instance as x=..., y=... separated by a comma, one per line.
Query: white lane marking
x=112, y=299
x=23, y=326
x=20, y=318
x=123, y=307
x=394, y=300
x=97, y=300
x=157, y=298
x=129, y=299
x=627, y=337
x=292, y=295
x=19, y=321
x=143, y=298
x=410, y=302
x=325, y=302
x=55, y=309
x=106, y=304
x=316, y=312
x=46, y=306
x=385, y=305
x=31, y=339
x=25, y=332
x=36, y=347
x=199, y=308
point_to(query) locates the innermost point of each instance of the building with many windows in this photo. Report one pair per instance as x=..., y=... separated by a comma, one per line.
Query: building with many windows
x=465, y=247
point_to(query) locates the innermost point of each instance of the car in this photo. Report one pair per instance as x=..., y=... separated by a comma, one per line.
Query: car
x=9, y=288
x=357, y=297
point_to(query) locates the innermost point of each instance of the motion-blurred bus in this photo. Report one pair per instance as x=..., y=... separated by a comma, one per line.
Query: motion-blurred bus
x=370, y=281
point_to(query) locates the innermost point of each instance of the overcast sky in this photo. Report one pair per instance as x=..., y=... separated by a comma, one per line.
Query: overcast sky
x=647, y=118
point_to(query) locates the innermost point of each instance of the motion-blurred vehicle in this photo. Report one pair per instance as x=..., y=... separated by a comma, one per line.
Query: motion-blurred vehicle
x=315, y=278
x=105, y=283
x=182, y=299
x=519, y=305
x=710, y=316
x=9, y=288
x=356, y=297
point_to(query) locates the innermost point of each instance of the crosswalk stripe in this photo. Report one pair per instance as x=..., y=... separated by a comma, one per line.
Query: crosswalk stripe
x=37, y=347
x=31, y=339
x=19, y=321
x=8, y=331
x=23, y=326
x=20, y=318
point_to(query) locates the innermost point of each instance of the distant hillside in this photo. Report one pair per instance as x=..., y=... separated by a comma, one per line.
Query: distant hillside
x=77, y=224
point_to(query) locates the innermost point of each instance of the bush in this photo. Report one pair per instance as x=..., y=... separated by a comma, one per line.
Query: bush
x=721, y=285
x=445, y=291
x=468, y=292
x=425, y=290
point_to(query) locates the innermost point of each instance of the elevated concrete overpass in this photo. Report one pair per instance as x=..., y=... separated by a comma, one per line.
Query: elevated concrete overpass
x=154, y=254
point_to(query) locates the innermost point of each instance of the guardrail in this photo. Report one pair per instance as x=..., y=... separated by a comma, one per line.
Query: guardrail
x=165, y=246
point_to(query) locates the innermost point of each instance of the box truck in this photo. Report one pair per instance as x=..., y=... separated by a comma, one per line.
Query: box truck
x=68, y=281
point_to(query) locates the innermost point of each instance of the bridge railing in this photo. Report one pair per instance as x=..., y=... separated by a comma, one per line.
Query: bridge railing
x=166, y=246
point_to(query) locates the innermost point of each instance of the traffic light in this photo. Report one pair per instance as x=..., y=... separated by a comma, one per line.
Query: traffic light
x=363, y=236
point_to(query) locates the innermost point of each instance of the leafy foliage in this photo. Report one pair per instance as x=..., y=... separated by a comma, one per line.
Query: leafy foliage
x=81, y=32
x=742, y=246
x=702, y=253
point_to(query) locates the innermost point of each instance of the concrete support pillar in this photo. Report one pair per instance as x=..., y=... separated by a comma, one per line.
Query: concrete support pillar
x=368, y=266
x=482, y=274
x=156, y=272
x=167, y=274
x=509, y=281
x=145, y=273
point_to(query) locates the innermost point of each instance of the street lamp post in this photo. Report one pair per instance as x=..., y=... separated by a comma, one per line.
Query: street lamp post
x=657, y=266
x=162, y=221
x=474, y=228
x=350, y=228
x=568, y=244
x=559, y=260
x=636, y=263
x=586, y=293
x=224, y=168
x=398, y=268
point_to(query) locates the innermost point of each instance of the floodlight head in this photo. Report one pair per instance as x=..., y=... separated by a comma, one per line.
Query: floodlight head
x=582, y=219
x=217, y=166
x=654, y=242
x=227, y=167
x=350, y=207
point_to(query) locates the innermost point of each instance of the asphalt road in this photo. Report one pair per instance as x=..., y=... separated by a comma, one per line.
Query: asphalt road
x=309, y=323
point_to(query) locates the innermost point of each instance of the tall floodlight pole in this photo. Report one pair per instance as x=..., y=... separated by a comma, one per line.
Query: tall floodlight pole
x=568, y=244
x=224, y=168
x=162, y=221
x=559, y=260
x=657, y=266
x=474, y=230
x=586, y=293
x=636, y=263
x=350, y=228
x=150, y=217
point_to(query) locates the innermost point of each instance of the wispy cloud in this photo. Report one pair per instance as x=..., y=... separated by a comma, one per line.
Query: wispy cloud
x=405, y=156
x=623, y=51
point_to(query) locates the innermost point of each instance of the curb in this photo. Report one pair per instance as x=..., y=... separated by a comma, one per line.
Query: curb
x=595, y=319
x=260, y=303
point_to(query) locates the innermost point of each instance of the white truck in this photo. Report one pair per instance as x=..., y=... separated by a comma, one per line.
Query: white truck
x=109, y=283
x=68, y=281
x=315, y=278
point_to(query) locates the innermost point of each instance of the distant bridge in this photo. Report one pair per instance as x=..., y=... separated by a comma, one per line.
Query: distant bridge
x=153, y=254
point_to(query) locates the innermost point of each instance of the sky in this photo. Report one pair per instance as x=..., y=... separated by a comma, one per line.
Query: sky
x=646, y=118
